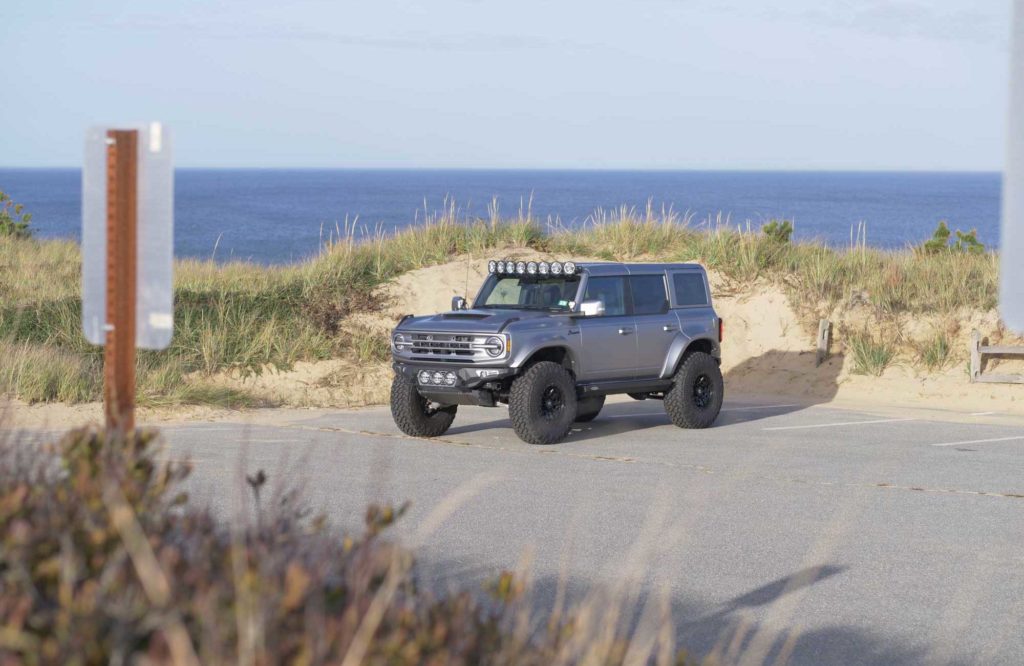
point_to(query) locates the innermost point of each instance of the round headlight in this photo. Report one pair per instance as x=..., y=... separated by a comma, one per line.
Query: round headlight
x=400, y=342
x=438, y=377
x=495, y=346
x=521, y=267
x=570, y=268
x=449, y=378
x=424, y=377
x=492, y=266
x=543, y=268
x=531, y=268
x=556, y=268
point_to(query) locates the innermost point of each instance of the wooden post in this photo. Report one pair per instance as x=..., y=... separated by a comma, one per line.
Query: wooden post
x=975, y=355
x=122, y=224
x=824, y=337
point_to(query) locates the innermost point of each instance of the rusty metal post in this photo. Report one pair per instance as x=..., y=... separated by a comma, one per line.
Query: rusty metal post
x=122, y=226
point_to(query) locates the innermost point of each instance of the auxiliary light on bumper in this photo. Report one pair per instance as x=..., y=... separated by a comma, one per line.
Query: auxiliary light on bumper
x=436, y=378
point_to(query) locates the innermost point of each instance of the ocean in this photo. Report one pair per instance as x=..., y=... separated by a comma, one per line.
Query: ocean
x=276, y=216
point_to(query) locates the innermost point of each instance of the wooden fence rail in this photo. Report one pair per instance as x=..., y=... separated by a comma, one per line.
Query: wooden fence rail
x=979, y=351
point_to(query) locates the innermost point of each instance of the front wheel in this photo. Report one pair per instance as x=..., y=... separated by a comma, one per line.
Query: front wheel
x=542, y=403
x=695, y=398
x=413, y=414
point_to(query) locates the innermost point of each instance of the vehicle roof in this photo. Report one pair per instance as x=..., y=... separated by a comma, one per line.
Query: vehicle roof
x=620, y=268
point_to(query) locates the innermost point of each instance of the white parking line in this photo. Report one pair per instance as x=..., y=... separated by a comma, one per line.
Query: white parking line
x=837, y=425
x=982, y=413
x=982, y=441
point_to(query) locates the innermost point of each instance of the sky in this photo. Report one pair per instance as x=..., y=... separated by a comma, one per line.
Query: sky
x=638, y=84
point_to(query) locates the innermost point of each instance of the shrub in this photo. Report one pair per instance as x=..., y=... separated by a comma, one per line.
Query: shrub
x=871, y=355
x=14, y=220
x=778, y=231
x=104, y=560
x=965, y=241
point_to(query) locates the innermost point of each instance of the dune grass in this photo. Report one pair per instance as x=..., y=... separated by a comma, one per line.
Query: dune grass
x=872, y=353
x=244, y=317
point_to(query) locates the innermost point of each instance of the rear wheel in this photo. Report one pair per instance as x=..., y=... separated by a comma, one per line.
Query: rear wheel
x=587, y=409
x=542, y=403
x=413, y=414
x=695, y=398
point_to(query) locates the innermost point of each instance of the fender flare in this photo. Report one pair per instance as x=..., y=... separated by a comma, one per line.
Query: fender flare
x=678, y=350
x=520, y=359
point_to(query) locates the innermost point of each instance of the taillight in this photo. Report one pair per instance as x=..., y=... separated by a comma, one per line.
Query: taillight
x=721, y=329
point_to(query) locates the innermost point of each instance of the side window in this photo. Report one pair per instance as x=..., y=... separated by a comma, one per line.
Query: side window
x=689, y=288
x=648, y=294
x=611, y=290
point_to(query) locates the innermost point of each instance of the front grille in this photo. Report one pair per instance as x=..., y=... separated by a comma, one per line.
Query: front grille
x=453, y=347
x=441, y=344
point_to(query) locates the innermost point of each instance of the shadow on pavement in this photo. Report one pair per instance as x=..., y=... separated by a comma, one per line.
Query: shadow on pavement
x=703, y=628
x=772, y=384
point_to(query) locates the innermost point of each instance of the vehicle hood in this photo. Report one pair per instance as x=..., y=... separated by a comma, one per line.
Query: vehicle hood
x=469, y=321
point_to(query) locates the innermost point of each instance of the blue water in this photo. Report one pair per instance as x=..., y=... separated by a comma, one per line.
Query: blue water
x=274, y=216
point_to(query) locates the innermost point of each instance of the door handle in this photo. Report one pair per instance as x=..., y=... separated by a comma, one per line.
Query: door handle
x=667, y=328
x=625, y=331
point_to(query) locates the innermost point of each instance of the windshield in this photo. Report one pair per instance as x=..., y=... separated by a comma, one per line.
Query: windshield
x=528, y=292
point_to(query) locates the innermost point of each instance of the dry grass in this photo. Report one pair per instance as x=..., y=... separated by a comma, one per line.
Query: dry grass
x=245, y=318
x=107, y=561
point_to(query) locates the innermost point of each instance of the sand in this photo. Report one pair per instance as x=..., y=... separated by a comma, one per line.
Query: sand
x=768, y=354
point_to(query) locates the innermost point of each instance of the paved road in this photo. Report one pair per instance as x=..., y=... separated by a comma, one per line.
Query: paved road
x=874, y=536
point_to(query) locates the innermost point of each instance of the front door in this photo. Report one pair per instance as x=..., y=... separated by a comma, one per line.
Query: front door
x=656, y=325
x=609, y=341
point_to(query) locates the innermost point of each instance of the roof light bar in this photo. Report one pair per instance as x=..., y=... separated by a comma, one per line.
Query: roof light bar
x=542, y=268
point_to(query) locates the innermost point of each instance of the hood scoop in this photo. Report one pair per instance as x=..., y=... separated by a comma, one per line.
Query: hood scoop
x=464, y=316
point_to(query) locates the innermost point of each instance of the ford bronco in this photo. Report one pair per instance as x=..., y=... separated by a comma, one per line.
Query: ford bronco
x=552, y=339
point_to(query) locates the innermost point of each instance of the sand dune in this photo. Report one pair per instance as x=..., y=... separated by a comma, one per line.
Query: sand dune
x=769, y=351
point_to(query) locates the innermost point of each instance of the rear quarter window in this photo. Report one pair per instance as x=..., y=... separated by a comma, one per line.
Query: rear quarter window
x=690, y=290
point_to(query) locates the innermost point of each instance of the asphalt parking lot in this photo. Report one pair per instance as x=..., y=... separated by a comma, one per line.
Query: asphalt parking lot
x=871, y=536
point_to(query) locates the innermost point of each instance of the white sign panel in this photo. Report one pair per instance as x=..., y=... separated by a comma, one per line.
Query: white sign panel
x=155, y=257
x=1011, y=291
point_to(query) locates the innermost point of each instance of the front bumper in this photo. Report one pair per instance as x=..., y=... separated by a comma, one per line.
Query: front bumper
x=470, y=385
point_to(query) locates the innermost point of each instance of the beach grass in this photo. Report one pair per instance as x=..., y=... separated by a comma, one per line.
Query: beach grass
x=872, y=353
x=246, y=318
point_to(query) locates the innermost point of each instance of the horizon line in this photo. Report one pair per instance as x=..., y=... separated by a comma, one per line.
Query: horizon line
x=547, y=169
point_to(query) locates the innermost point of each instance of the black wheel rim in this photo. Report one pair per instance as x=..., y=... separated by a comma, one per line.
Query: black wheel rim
x=552, y=403
x=703, y=392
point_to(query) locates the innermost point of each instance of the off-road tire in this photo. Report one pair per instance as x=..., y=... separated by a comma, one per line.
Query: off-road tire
x=587, y=409
x=695, y=398
x=542, y=403
x=412, y=412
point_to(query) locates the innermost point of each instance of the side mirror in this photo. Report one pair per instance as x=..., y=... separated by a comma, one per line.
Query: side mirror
x=592, y=308
x=458, y=303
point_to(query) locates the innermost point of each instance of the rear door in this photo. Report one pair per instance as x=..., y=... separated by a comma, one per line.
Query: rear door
x=609, y=342
x=691, y=300
x=656, y=324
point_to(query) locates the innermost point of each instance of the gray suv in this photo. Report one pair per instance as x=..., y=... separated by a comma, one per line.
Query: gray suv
x=552, y=339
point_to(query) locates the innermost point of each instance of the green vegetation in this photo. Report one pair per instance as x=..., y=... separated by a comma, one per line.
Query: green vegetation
x=934, y=353
x=104, y=560
x=871, y=353
x=245, y=318
x=778, y=231
x=965, y=241
x=14, y=220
